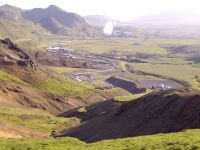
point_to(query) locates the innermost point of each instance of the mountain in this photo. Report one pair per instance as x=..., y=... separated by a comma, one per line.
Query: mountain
x=52, y=25
x=31, y=96
x=22, y=31
x=18, y=29
x=10, y=12
x=21, y=78
x=18, y=67
x=97, y=20
x=65, y=18
x=169, y=18
x=159, y=112
x=55, y=19
x=56, y=27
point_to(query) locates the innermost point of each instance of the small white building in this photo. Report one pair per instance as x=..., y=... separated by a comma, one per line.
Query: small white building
x=53, y=48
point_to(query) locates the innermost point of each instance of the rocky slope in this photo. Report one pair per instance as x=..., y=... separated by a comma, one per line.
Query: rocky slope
x=11, y=54
x=65, y=18
x=10, y=12
x=53, y=19
x=159, y=112
x=25, y=83
x=19, y=74
x=93, y=110
x=56, y=20
x=19, y=95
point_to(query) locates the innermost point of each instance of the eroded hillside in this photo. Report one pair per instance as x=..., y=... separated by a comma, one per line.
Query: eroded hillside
x=159, y=112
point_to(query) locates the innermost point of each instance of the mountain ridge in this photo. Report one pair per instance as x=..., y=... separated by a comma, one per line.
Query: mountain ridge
x=10, y=12
x=52, y=18
x=159, y=112
x=65, y=18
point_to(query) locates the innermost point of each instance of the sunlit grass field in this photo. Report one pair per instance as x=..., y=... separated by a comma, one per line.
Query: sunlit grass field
x=188, y=139
x=33, y=119
x=184, y=72
x=165, y=64
x=120, y=45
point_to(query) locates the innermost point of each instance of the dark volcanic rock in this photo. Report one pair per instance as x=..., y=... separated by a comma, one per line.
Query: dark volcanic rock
x=9, y=44
x=23, y=58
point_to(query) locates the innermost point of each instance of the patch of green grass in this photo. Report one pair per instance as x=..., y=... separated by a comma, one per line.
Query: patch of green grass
x=188, y=139
x=185, y=73
x=8, y=77
x=122, y=64
x=82, y=110
x=62, y=69
x=127, y=97
x=122, y=46
x=67, y=86
x=50, y=144
x=33, y=118
x=67, y=69
x=131, y=97
x=21, y=31
x=184, y=140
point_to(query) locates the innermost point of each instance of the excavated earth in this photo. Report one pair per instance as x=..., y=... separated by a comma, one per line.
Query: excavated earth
x=129, y=86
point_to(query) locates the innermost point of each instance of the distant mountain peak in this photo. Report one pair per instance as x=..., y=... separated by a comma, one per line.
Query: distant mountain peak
x=10, y=12
x=55, y=19
x=53, y=7
x=7, y=6
x=52, y=18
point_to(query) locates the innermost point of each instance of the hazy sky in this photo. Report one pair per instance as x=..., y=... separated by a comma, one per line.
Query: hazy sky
x=117, y=9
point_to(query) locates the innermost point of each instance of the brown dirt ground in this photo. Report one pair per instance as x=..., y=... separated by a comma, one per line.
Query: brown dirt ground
x=13, y=131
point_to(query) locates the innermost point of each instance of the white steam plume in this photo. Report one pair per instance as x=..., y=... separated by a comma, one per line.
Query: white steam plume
x=108, y=28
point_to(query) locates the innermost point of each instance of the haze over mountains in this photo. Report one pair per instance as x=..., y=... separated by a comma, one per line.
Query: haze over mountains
x=58, y=21
x=97, y=20
x=53, y=18
x=56, y=16
x=169, y=18
x=165, y=18
x=10, y=12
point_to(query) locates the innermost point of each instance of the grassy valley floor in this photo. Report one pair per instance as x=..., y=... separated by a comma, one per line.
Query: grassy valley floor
x=188, y=139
